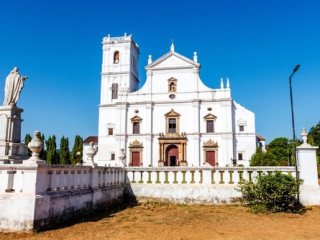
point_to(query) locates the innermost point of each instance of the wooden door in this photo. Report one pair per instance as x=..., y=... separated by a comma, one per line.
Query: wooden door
x=135, y=159
x=211, y=157
x=172, y=156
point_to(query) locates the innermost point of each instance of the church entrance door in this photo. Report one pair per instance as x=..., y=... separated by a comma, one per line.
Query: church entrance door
x=172, y=156
x=211, y=159
x=135, y=159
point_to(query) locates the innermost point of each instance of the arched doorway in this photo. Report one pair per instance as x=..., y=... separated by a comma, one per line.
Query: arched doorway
x=172, y=156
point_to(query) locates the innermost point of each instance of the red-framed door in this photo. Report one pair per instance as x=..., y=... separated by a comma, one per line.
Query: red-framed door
x=135, y=159
x=172, y=156
x=211, y=157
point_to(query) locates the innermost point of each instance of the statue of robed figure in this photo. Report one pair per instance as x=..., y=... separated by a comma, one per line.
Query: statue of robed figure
x=13, y=87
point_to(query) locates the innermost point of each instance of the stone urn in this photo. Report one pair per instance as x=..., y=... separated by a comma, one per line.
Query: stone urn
x=35, y=146
x=91, y=152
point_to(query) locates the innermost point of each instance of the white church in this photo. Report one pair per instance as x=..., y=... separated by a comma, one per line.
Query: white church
x=174, y=119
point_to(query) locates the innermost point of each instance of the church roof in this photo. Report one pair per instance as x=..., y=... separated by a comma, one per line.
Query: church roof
x=90, y=139
x=171, y=60
x=261, y=138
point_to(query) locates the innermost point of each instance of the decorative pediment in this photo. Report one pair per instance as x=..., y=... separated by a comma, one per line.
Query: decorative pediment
x=172, y=60
x=136, y=144
x=136, y=119
x=242, y=122
x=110, y=125
x=210, y=143
x=172, y=113
x=209, y=117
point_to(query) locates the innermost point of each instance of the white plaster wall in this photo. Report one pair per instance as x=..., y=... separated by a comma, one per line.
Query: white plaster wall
x=33, y=196
x=185, y=194
x=192, y=99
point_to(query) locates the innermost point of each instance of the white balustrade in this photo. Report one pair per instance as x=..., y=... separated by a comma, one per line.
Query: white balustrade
x=38, y=179
x=199, y=175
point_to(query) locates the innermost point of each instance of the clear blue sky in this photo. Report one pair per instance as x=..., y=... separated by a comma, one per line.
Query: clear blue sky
x=57, y=44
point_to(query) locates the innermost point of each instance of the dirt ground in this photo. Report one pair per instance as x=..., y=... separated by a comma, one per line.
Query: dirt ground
x=158, y=221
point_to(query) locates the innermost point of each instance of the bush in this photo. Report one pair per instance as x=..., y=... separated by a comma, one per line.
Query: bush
x=275, y=192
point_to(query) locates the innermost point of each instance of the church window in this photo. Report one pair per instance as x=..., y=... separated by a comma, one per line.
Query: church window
x=113, y=156
x=209, y=120
x=241, y=128
x=136, y=120
x=172, y=122
x=172, y=125
x=210, y=128
x=172, y=85
x=114, y=90
x=136, y=127
x=110, y=131
x=116, y=57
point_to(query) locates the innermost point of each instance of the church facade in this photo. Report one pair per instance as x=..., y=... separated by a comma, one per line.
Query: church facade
x=174, y=119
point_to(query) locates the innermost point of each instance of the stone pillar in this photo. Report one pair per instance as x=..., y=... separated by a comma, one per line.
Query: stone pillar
x=307, y=162
x=11, y=148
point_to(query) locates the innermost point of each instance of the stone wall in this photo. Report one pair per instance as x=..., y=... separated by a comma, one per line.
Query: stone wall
x=198, y=185
x=33, y=197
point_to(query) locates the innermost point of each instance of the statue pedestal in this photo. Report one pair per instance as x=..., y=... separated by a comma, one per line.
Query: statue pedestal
x=11, y=148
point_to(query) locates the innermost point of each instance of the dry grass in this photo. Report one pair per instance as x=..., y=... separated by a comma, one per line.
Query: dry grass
x=160, y=221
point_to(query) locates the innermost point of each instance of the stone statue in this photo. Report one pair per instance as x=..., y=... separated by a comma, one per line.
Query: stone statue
x=14, y=84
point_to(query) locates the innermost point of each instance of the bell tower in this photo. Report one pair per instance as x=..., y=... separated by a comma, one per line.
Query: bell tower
x=119, y=67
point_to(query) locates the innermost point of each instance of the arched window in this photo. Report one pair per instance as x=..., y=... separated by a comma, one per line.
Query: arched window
x=116, y=57
x=172, y=85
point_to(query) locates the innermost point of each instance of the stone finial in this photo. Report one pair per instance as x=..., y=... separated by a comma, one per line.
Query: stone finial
x=221, y=84
x=228, y=83
x=150, y=59
x=108, y=36
x=172, y=47
x=91, y=152
x=195, y=57
x=122, y=156
x=125, y=34
x=304, y=136
x=35, y=146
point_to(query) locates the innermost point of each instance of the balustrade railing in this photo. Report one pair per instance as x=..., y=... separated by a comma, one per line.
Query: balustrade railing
x=199, y=175
x=33, y=179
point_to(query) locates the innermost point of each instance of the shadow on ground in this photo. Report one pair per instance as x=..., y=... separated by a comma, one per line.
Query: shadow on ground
x=127, y=201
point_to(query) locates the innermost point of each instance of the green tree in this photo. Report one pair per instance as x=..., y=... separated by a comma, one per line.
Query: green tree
x=76, y=154
x=280, y=151
x=28, y=139
x=43, y=154
x=259, y=158
x=52, y=156
x=64, y=151
x=314, y=138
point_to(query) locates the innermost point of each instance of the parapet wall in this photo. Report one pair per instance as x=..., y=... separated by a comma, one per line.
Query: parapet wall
x=197, y=185
x=33, y=197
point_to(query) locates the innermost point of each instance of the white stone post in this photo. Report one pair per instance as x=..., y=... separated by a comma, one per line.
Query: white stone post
x=307, y=162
